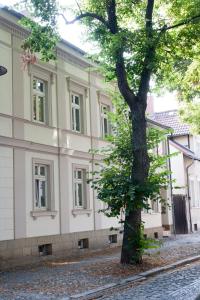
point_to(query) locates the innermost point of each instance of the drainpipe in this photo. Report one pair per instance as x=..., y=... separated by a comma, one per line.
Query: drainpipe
x=171, y=187
x=188, y=194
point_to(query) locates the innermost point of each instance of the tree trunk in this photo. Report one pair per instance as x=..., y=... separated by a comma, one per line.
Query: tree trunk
x=131, y=248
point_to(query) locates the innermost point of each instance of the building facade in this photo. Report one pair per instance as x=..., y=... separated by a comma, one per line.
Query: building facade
x=185, y=167
x=51, y=116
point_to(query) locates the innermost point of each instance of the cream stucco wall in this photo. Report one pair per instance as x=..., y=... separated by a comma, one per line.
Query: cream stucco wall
x=6, y=194
x=54, y=141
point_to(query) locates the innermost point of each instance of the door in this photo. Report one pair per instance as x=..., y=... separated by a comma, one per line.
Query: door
x=180, y=214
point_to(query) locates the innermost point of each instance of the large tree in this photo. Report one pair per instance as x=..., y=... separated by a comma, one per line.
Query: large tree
x=138, y=39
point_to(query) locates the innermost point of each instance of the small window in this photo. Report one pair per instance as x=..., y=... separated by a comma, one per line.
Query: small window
x=39, y=100
x=76, y=113
x=45, y=249
x=145, y=236
x=41, y=186
x=195, y=227
x=156, y=235
x=83, y=244
x=105, y=126
x=79, y=188
x=112, y=238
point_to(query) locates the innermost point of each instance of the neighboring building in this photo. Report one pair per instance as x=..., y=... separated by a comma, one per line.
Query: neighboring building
x=51, y=115
x=185, y=167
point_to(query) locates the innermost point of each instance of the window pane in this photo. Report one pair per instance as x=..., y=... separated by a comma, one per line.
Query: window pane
x=75, y=194
x=42, y=170
x=73, y=119
x=41, y=109
x=79, y=174
x=105, y=126
x=77, y=116
x=36, y=193
x=40, y=86
x=77, y=101
x=43, y=193
x=36, y=170
x=34, y=108
x=80, y=195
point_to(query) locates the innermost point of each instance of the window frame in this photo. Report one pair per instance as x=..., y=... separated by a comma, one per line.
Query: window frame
x=49, y=78
x=85, y=189
x=38, y=94
x=75, y=107
x=104, y=116
x=50, y=200
x=79, y=182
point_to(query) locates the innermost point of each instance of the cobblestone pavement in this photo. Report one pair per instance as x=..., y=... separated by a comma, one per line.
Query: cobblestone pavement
x=182, y=284
x=58, y=279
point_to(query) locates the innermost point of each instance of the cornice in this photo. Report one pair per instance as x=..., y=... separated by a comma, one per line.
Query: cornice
x=13, y=28
x=70, y=58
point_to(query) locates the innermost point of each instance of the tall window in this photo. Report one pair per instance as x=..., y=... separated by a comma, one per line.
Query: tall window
x=79, y=188
x=104, y=120
x=76, y=113
x=41, y=185
x=39, y=100
x=154, y=206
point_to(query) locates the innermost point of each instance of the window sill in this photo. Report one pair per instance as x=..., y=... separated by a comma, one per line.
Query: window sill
x=43, y=213
x=77, y=211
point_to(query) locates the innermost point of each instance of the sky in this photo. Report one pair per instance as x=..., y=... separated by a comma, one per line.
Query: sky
x=76, y=34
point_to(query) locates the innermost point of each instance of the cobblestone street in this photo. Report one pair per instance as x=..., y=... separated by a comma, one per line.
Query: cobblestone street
x=60, y=279
x=183, y=284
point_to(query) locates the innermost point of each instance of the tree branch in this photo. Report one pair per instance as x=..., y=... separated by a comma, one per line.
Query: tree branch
x=86, y=15
x=78, y=6
x=121, y=74
x=185, y=22
x=150, y=52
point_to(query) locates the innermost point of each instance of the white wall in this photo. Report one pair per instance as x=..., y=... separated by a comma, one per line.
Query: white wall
x=178, y=171
x=6, y=194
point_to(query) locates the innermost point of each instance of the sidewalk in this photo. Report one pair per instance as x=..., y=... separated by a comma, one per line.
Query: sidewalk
x=60, y=279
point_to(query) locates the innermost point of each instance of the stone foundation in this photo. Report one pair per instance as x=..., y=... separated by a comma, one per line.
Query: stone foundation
x=34, y=250
x=31, y=250
x=156, y=232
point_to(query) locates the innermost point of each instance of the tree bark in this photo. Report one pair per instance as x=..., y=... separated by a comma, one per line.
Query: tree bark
x=131, y=248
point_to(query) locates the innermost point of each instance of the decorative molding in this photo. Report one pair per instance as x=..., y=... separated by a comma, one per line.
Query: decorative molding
x=14, y=28
x=40, y=213
x=75, y=60
x=76, y=212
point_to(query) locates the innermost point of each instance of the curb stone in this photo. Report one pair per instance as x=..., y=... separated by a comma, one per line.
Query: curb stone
x=135, y=278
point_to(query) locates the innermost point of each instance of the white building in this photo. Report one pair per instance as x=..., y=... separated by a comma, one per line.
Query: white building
x=51, y=115
x=185, y=167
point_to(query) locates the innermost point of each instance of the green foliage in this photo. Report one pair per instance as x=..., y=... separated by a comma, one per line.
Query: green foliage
x=42, y=40
x=143, y=243
x=112, y=179
x=176, y=49
x=43, y=27
x=190, y=114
